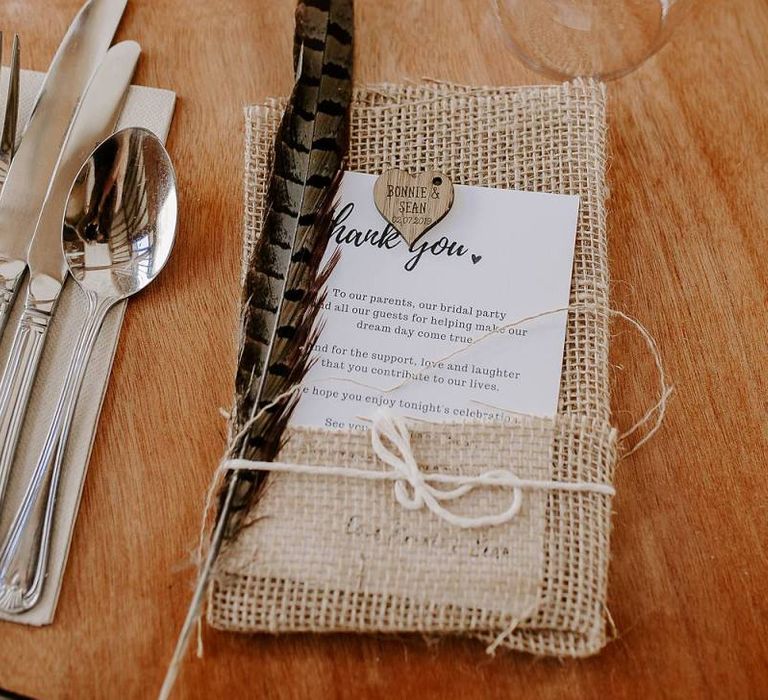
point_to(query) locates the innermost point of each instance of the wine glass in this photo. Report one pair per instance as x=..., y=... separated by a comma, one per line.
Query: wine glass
x=604, y=39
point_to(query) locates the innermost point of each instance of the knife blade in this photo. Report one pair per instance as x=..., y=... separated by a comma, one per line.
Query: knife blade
x=29, y=177
x=95, y=121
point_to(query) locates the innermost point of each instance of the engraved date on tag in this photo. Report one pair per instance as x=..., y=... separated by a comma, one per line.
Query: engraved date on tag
x=413, y=204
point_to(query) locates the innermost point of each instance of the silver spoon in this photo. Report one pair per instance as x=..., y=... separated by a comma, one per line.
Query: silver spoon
x=118, y=232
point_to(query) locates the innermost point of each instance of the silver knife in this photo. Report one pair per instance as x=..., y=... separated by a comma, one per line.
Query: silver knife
x=29, y=177
x=95, y=121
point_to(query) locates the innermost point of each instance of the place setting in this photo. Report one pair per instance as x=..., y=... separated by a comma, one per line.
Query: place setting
x=419, y=391
x=421, y=440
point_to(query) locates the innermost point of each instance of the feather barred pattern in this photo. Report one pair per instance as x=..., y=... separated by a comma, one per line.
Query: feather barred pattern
x=283, y=286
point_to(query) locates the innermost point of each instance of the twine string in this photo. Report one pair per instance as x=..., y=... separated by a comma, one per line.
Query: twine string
x=415, y=489
x=658, y=409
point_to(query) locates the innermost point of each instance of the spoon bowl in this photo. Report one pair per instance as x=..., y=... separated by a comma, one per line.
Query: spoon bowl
x=120, y=221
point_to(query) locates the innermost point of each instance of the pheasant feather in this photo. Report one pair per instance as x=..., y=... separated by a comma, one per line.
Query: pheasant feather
x=280, y=295
x=285, y=281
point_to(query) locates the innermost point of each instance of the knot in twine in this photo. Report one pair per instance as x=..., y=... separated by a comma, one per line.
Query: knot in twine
x=413, y=488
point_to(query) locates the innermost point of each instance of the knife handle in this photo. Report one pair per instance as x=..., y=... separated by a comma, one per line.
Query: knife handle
x=11, y=274
x=16, y=384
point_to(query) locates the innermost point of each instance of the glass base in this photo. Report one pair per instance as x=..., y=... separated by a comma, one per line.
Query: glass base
x=604, y=39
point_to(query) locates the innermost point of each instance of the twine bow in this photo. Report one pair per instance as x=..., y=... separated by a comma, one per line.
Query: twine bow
x=413, y=490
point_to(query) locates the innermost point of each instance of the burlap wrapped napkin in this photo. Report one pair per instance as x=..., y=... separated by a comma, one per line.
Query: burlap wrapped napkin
x=327, y=554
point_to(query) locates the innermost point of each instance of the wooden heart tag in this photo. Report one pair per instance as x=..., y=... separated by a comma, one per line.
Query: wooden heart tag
x=413, y=204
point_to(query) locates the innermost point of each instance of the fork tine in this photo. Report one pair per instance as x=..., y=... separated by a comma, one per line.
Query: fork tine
x=8, y=141
x=8, y=138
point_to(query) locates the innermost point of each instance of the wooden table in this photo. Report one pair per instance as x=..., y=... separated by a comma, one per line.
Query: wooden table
x=689, y=242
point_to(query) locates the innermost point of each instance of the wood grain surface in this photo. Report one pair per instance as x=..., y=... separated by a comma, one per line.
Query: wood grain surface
x=689, y=240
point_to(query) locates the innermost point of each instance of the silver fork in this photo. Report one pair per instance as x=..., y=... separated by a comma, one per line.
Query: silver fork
x=8, y=138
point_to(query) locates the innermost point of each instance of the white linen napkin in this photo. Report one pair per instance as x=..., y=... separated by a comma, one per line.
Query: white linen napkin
x=153, y=109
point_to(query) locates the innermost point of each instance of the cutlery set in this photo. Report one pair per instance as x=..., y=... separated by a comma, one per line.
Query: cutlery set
x=76, y=199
